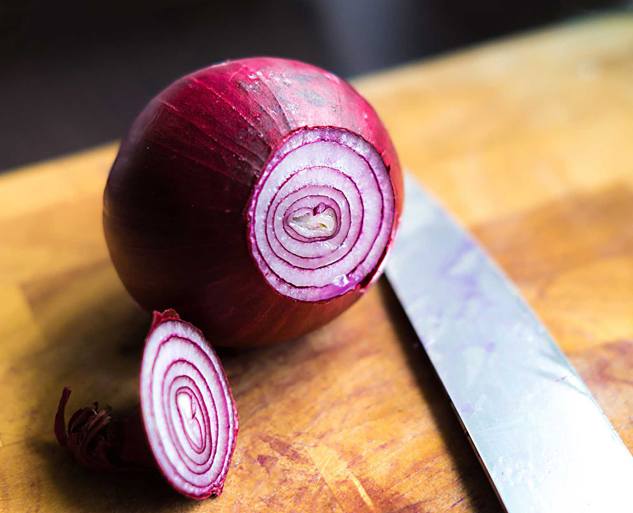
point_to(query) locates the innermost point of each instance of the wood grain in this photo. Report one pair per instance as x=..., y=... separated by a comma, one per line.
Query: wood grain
x=528, y=140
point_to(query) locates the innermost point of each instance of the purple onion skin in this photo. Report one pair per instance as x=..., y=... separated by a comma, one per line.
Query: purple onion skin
x=175, y=204
x=100, y=442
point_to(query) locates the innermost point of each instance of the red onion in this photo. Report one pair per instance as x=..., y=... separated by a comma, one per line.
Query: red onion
x=186, y=424
x=257, y=197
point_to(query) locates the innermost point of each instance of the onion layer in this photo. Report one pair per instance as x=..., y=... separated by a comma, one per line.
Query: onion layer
x=257, y=197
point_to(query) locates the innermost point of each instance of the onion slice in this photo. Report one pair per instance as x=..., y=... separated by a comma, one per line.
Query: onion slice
x=188, y=410
x=186, y=425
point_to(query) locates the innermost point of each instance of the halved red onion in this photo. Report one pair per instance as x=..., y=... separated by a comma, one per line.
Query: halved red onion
x=186, y=424
x=258, y=197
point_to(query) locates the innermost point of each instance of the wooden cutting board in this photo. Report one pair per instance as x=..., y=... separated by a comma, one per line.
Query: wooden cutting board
x=529, y=141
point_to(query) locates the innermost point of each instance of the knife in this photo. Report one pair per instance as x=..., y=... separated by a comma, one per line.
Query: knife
x=543, y=441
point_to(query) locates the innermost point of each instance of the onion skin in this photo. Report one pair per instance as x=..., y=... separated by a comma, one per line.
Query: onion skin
x=134, y=441
x=100, y=442
x=176, y=201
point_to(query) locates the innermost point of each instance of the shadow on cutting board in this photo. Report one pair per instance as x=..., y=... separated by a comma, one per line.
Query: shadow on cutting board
x=479, y=492
x=88, y=490
x=93, y=343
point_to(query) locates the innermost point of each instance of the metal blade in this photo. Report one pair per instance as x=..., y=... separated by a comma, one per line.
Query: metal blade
x=543, y=440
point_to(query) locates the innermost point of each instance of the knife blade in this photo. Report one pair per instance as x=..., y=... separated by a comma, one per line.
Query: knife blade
x=544, y=442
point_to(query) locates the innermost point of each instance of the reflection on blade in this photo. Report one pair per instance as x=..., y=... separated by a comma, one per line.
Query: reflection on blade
x=543, y=440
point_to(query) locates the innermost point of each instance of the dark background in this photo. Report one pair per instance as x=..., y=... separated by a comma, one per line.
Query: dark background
x=75, y=73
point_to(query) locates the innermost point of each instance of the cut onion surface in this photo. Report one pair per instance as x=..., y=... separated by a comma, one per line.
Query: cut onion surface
x=186, y=424
x=322, y=214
